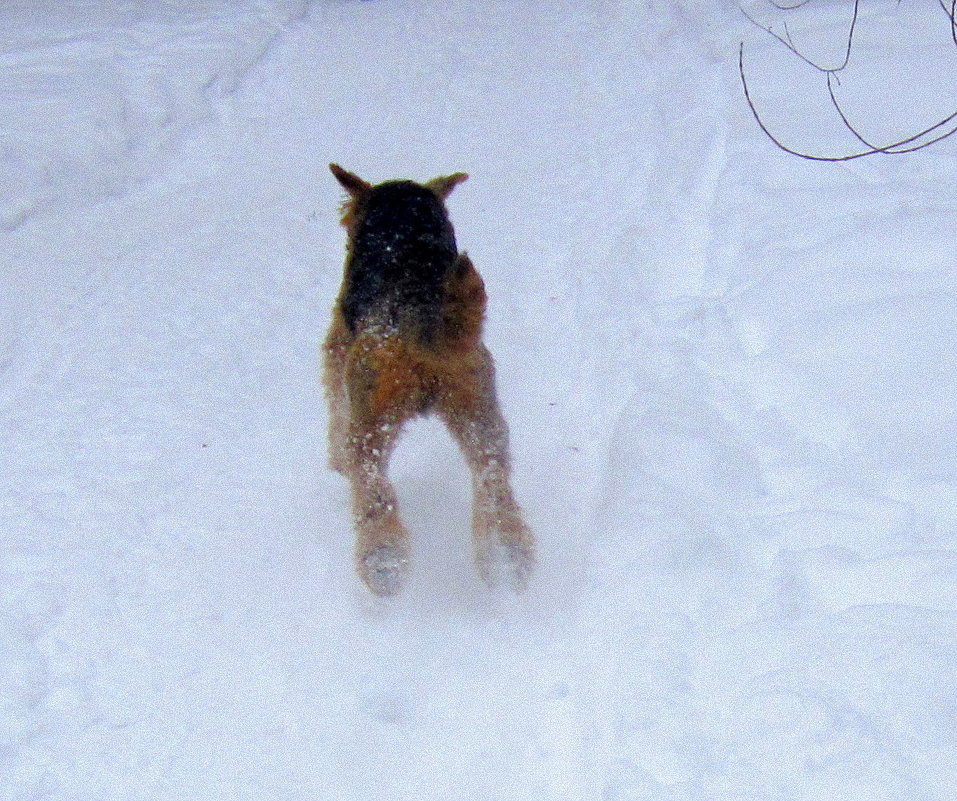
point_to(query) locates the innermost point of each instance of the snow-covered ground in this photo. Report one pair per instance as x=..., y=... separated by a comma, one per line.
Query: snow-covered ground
x=729, y=375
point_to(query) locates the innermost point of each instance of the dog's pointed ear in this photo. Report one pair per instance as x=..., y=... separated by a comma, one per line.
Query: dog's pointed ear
x=444, y=185
x=351, y=182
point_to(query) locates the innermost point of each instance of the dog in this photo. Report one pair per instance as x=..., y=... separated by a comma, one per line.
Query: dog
x=405, y=340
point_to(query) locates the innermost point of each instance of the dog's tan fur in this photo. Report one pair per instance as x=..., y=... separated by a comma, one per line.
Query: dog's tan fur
x=385, y=372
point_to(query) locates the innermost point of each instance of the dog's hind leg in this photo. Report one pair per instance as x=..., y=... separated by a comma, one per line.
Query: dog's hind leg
x=504, y=545
x=335, y=350
x=384, y=391
x=382, y=546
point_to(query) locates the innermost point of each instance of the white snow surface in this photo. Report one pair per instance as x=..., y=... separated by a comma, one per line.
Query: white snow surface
x=729, y=376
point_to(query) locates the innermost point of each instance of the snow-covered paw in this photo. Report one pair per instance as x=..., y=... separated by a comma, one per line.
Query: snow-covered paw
x=506, y=562
x=384, y=569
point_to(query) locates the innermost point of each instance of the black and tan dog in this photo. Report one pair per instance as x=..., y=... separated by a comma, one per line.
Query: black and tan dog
x=405, y=340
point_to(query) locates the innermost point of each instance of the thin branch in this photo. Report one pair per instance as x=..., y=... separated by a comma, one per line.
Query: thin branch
x=783, y=7
x=787, y=35
x=894, y=148
x=843, y=116
x=951, y=15
x=788, y=43
x=953, y=21
x=850, y=33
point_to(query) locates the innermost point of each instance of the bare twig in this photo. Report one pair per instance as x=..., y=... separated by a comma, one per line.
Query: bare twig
x=891, y=149
x=784, y=7
x=950, y=12
x=894, y=148
x=843, y=116
x=789, y=44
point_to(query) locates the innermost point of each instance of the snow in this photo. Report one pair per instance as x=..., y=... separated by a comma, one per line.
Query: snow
x=727, y=372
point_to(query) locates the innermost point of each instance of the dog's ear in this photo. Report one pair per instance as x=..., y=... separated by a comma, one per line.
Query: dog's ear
x=351, y=182
x=444, y=185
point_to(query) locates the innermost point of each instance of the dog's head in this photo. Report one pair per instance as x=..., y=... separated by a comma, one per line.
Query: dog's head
x=362, y=194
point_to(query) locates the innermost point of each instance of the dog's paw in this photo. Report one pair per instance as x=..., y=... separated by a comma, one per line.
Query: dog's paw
x=506, y=561
x=384, y=569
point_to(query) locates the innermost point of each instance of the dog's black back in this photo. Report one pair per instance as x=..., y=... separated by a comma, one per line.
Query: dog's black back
x=401, y=252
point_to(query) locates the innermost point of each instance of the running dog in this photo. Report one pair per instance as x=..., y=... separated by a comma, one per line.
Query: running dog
x=405, y=340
